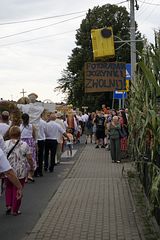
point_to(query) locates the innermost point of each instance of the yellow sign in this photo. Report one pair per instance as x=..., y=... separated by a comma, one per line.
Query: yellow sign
x=102, y=42
x=127, y=87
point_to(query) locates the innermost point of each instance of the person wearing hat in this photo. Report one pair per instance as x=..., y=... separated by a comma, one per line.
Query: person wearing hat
x=32, y=97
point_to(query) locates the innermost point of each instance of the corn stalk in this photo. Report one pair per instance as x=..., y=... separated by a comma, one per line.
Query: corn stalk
x=144, y=118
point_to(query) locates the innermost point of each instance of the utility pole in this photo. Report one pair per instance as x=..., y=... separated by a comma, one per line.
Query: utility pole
x=132, y=39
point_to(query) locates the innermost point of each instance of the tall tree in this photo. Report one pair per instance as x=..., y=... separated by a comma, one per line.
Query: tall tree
x=72, y=80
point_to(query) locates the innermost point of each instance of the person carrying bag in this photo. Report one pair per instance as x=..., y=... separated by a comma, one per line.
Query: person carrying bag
x=18, y=154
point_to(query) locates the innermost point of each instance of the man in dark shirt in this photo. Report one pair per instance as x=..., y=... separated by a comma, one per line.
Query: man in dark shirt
x=100, y=129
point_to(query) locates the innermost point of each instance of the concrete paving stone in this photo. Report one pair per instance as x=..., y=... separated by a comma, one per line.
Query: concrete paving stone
x=113, y=236
x=93, y=201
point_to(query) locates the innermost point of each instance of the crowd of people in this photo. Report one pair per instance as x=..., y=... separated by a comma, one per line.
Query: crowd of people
x=108, y=129
x=28, y=151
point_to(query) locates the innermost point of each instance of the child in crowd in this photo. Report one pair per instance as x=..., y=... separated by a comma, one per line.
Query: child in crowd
x=69, y=144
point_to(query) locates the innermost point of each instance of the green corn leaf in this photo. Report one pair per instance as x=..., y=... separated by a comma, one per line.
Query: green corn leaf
x=150, y=77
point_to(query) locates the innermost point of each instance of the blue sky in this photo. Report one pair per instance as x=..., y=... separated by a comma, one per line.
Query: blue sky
x=36, y=65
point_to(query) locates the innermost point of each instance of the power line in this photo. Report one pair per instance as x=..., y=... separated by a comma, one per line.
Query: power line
x=142, y=9
x=152, y=9
x=122, y=2
x=38, y=28
x=50, y=17
x=40, y=19
x=38, y=38
x=151, y=13
x=154, y=4
x=142, y=3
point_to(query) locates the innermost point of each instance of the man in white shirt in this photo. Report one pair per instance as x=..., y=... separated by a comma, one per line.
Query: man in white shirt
x=5, y=168
x=84, y=119
x=41, y=146
x=53, y=130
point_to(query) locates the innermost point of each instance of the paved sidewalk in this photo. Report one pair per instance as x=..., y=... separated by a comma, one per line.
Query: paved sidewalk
x=93, y=203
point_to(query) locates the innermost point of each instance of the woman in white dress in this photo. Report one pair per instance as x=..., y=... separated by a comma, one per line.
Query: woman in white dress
x=28, y=135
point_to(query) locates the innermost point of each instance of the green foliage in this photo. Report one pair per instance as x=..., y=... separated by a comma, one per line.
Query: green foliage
x=145, y=119
x=155, y=189
x=98, y=17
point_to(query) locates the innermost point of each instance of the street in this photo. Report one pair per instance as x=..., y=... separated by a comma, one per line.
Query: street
x=35, y=200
